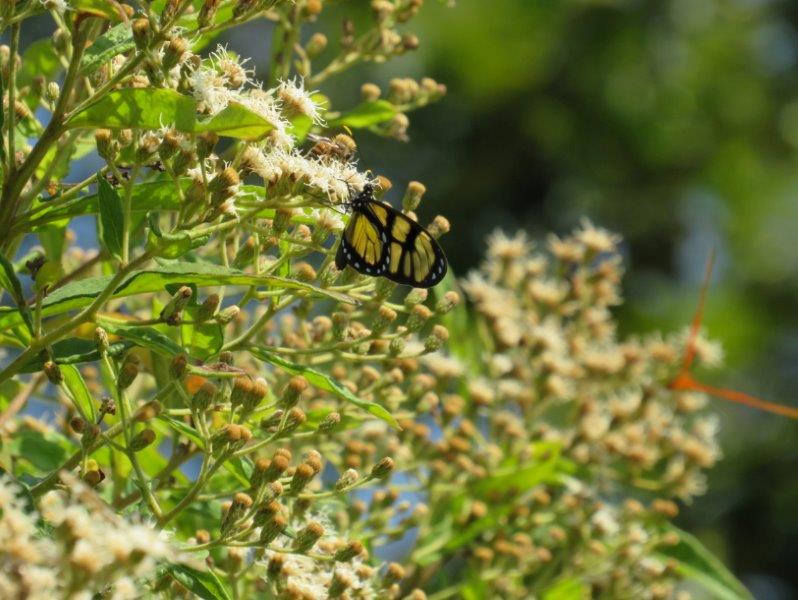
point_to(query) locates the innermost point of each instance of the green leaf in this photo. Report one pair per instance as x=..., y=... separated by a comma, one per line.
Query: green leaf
x=73, y=351
x=150, y=108
x=202, y=340
x=73, y=381
x=111, y=223
x=53, y=240
x=698, y=564
x=567, y=589
x=45, y=451
x=107, y=9
x=204, y=584
x=78, y=294
x=170, y=245
x=183, y=429
x=39, y=58
x=365, y=114
x=10, y=283
x=326, y=383
x=146, y=337
x=115, y=41
x=148, y=196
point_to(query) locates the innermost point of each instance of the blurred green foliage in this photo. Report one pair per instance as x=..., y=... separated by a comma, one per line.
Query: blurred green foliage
x=675, y=123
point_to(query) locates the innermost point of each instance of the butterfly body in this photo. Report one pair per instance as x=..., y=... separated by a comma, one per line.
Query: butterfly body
x=381, y=241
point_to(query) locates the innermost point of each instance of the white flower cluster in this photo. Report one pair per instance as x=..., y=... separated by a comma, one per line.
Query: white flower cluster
x=88, y=550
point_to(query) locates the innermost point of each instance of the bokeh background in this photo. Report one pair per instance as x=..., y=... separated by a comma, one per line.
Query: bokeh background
x=672, y=122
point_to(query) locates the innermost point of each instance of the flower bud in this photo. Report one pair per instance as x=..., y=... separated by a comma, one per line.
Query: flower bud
x=128, y=372
x=415, y=192
x=302, y=476
x=241, y=503
x=292, y=391
x=208, y=308
x=169, y=145
x=370, y=92
x=207, y=12
x=282, y=219
x=101, y=340
x=316, y=45
x=178, y=366
x=171, y=313
x=52, y=92
x=383, y=468
x=351, y=550
x=329, y=423
x=307, y=537
x=415, y=296
x=347, y=479
x=448, y=302
x=106, y=147
x=228, y=314
x=141, y=33
x=142, y=439
x=206, y=142
x=436, y=339
x=184, y=160
x=242, y=387
x=173, y=52
x=419, y=315
x=272, y=528
x=439, y=226
x=204, y=396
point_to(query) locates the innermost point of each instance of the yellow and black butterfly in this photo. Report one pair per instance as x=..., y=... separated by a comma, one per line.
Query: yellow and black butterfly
x=379, y=240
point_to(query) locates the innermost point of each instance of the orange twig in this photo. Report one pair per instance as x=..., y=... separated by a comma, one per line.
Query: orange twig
x=685, y=380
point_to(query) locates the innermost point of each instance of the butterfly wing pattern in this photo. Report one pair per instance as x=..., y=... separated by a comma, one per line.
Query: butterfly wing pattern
x=381, y=241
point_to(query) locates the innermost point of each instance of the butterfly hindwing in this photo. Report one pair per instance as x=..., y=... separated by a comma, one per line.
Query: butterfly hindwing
x=379, y=240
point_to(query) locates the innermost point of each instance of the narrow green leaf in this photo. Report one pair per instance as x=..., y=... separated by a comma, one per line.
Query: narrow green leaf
x=73, y=351
x=115, y=41
x=78, y=294
x=10, y=283
x=204, y=584
x=107, y=9
x=326, y=383
x=172, y=245
x=112, y=221
x=365, y=114
x=73, y=380
x=183, y=429
x=150, y=108
x=146, y=337
x=567, y=589
x=698, y=564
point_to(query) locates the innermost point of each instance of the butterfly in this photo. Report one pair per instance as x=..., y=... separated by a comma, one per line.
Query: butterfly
x=380, y=240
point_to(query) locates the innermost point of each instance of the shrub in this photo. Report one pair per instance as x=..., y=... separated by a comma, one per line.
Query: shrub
x=204, y=404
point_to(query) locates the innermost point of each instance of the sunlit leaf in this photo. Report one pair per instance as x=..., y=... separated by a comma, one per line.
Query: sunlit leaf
x=73, y=381
x=78, y=294
x=110, y=225
x=365, y=114
x=115, y=41
x=151, y=108
x=204, y=584
x=10, y=283
x=696, y=563
x=326, y=383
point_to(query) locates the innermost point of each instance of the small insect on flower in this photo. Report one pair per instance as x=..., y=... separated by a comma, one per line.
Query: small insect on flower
x=380, y=240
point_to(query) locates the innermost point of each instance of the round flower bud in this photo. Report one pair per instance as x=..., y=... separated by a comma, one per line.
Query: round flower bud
x=370, y=92
x=292, y=391
x=142, y=439
x=307, y=537
x=351, y=550
x=383, y=468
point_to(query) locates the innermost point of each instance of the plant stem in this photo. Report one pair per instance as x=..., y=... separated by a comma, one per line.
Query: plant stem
x=87, y=313
x=12, y=91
